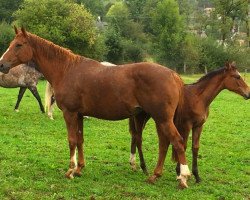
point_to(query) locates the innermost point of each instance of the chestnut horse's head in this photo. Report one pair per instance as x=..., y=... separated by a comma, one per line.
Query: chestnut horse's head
x=18, y=52
x=234, y=82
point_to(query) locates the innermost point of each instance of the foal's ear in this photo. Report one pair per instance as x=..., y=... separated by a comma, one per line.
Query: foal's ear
x=24, y=31
x=15, y=28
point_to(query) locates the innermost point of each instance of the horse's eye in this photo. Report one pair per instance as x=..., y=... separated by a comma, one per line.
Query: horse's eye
x=18, y=45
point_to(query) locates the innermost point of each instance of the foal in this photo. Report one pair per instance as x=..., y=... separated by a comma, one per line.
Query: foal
x=85, y=87
x=22, y=76
x=192, y=116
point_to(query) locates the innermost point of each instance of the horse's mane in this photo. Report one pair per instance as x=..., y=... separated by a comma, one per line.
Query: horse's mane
x=52, y=51
x=209, y=75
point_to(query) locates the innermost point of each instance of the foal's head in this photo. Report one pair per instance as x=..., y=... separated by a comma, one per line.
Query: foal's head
x=18, y=52
x=234, y=82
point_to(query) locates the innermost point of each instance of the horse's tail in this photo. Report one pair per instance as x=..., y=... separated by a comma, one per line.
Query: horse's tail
x=178, y=112
x=49, y=92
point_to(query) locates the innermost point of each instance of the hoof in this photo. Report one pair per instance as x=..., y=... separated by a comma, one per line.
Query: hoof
x=133, y=167
x=16, y=110
x=145, y=171
x=198, y=180
x=70, y=174
x=152, y=179
x=182, y=181
x=78, y=174
x=182, y=185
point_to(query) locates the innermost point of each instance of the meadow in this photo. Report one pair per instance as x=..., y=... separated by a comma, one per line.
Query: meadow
x=34, y=155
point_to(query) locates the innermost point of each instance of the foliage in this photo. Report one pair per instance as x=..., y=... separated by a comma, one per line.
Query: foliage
x=34, y=155
x=124, y=44
x=6, y=36
x=96, y=7
x=168, y=31
x=7, y=7
x=63, y=22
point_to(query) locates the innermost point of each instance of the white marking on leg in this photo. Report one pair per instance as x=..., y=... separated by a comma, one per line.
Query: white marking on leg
x=132, y=158
x=74, y=159
x=185, y=170
x=4, y=54
x=132, y=161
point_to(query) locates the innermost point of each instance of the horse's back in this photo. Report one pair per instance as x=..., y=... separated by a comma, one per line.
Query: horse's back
x=118, y=92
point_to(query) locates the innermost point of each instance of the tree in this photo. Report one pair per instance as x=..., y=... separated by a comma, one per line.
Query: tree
x=96, y=7
x=225, y=14
x=64, y=22
x=128, y=33
x=7, y=7
x=168, y=32
x=6, y=36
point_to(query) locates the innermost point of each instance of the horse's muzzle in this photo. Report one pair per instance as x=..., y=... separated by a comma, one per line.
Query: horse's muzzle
x=247, y=96
x=5, y=68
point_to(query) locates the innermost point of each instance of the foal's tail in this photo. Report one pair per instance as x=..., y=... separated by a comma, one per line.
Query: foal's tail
x=178, y=112
x=49, y=92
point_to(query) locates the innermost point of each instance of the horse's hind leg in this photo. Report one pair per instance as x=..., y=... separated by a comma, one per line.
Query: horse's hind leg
x=195, y=148
x=20, y=96
x=37, y=96
x=168, y=132
x=137, y=125
x=163, y=147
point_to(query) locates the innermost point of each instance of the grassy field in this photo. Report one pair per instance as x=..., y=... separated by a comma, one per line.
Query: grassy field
x=34, y=155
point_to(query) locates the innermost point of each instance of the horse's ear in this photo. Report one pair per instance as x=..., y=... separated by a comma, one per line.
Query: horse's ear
x=15, y=28
x=233, y=64
x=228, y=65
x=24, y=31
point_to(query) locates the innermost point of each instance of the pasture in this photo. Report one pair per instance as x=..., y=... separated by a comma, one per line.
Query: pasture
x=34, y=155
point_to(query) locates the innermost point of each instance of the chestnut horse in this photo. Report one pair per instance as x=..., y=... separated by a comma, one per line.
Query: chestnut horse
x=84, y=86
x=22, y=76
x=194, y=113
x=50, y=97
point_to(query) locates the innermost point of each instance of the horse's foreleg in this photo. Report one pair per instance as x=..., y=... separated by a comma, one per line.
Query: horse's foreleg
x=71, y=120
x=195, y=148
x=80, y=140
x=20, y=96
x=179, y=147
x=37, y=96
x=163, y=147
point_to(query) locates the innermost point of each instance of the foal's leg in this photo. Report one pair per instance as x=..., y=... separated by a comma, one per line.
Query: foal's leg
x=20, y=96
x=71, y=120
x=37, y=96
x=80, y=140
x=195, y=148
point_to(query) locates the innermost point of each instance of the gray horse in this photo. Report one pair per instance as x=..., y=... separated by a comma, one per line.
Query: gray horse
x=22, y=76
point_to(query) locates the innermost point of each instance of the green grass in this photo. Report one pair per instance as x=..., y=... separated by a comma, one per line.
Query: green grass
x=34, y=155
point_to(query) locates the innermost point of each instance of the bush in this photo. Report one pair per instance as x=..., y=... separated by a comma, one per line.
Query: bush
x=6, y=36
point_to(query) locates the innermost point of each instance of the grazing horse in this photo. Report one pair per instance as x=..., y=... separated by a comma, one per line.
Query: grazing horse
x=85, y=87
x=22, y=76
x=193, y=114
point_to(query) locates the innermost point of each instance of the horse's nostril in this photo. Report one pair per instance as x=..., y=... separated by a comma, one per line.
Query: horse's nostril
x=1, y=66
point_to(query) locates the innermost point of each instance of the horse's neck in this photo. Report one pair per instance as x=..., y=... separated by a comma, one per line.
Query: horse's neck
x=51, y=59
x=206, y=90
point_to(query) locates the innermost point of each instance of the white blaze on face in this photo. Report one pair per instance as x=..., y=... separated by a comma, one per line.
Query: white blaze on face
x=4, y=54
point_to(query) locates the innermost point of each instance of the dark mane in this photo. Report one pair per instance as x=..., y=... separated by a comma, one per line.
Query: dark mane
x=52, y=50
x=209, y=75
